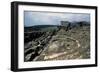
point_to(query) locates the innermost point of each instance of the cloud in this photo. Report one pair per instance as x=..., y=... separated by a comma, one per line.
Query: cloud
x=42, y=18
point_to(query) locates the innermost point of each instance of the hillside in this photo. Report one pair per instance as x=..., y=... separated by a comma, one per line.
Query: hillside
x=73, y=44
x=60, y=45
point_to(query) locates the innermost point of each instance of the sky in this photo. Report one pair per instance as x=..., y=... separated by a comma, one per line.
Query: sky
x=32, y=18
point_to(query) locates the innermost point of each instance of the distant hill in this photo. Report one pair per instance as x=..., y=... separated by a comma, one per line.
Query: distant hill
x=55, y=27
x=40, y=28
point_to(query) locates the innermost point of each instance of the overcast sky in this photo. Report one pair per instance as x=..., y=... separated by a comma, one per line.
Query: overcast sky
x=50, y=18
